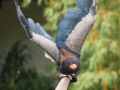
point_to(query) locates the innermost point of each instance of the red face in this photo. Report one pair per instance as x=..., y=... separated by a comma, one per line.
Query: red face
x=72, y=66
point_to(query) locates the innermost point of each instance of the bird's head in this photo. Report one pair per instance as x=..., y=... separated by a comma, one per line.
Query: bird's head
x=70, y=66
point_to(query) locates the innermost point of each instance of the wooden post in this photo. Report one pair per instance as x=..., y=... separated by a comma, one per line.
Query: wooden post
x=116, y=86
x=101, y=69
x=63, y=84
x=99, y=62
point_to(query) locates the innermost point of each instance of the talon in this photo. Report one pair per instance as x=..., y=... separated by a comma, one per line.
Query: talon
x=60, y=75
x=69, y=76
x=63, y=75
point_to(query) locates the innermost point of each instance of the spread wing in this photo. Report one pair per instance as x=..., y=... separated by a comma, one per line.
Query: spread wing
x=38, y=35
x=76, y=24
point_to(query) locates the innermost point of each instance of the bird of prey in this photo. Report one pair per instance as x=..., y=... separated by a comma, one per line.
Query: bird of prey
x=71, y=33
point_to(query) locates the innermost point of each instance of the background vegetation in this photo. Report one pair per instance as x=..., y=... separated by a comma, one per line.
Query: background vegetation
x=101, y=51
x=14, y=76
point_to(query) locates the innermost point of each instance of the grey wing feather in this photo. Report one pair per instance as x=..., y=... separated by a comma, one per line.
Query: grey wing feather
x=38, y=35
x=79, y=22
x=36, y=28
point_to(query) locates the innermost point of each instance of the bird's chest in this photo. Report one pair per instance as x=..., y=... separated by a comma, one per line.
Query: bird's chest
x=65, y=55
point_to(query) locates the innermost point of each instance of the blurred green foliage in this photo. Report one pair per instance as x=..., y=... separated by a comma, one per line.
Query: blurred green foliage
x=101, y=51
x=14, y=76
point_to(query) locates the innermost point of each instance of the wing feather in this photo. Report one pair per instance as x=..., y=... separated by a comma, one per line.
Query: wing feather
x=38, y=35
x=76, y=24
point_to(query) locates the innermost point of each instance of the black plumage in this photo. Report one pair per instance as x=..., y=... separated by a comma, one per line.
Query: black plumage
x=72, y=31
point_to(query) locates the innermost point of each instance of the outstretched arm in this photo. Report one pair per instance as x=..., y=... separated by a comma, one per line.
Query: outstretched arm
x=63, y=84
